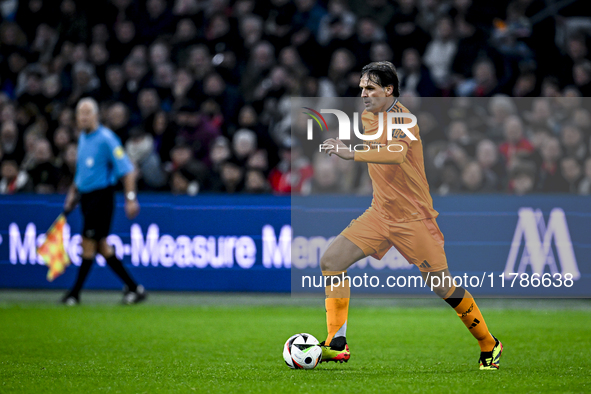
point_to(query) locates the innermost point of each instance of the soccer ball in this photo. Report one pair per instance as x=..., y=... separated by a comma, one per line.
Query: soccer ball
x=302, y=351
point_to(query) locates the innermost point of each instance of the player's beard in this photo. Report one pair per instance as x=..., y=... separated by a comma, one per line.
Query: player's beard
x=376, y=104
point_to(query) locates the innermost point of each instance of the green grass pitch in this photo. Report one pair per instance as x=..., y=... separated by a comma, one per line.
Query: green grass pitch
x=206, y=343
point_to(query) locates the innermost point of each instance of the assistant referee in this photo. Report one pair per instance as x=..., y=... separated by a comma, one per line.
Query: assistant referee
x=100, y=164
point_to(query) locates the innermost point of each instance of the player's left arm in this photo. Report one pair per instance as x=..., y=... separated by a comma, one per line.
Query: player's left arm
x=125, y=170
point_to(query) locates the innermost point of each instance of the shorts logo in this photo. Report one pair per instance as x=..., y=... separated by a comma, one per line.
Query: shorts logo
x=468, y=311
x=118, y=152
x=89, y=162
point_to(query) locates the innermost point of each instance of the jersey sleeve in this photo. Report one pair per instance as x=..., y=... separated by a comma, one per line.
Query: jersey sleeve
x=393, y=151
x=121, y=163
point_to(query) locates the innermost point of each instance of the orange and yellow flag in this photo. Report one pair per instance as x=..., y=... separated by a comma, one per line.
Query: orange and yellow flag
x=52, y=250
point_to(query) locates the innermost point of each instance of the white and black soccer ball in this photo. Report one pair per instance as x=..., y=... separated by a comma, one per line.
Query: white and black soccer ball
x=302, y=351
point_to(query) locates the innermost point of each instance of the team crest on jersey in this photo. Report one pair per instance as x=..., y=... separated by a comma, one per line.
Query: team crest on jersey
x=118, y=152
x=89, y=162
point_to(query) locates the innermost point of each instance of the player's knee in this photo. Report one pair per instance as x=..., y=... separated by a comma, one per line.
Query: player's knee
x=441, y=291
x=105, y=249
x=326, y=263
x=89, y=248
x=440, y=286
x=330, y=261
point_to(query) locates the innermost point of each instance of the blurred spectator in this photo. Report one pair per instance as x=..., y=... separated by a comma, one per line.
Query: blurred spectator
x=380, y=51
x=572, y=142
x=382, y=10
x=214, y=88
x=158, y=125
x=515, y=146
x=441, y=51
x=403, y=30
x=183, y=182
x=156, y=19
x=541, y=114
x=326, y=177
x=585, y=184
x=582, y=77
x=251, y=30
x=61, y=138
x=31, y=14
x=474, y=180
x=576, y=52
x=550, y=87
x=338, y=24
x=30, y=141
x=525, y=85
x=73, y=24
x=141, y=152
x=113, y=88
x=44, y=174
x=84, y=82
x=571, y=171
x=118, y=120
x=14, y=180
x=484, y=82
x=294, y=171
x=219, y=152
x=10, y=143
x=261, y=60
x=309, y=13
x=231, y=177
x=550, y=180
x=99, y=57
x=472, y=45
x=148, y=103
x=341, y=63
x=244, y=144
x=68, y=168
x=195, y=130
x=522, y=178
x=182, y=158
x=500, y=108
x=259, y=161
x=256, y=182
x=414, y=76
x=492, y=168
x=450, y=179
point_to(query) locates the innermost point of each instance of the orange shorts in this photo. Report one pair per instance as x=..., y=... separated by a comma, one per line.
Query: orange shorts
x=420, y=241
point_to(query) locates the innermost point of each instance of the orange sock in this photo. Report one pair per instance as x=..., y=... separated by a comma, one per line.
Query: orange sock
x=337, y=304
x=465, y=306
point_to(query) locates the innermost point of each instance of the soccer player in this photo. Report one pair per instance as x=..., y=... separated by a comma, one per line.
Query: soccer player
x=101, y=162
x=401, y=215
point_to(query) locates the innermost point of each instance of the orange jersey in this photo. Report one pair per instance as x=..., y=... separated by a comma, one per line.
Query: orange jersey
x=400, y=188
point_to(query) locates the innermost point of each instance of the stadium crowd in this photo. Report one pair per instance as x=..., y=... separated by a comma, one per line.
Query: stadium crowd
x=199, y=91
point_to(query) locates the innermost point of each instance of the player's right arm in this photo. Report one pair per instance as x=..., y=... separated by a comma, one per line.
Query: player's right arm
x=71, y=199
x=393, y=153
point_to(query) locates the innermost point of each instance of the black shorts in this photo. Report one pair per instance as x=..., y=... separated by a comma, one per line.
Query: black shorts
x=97, y=210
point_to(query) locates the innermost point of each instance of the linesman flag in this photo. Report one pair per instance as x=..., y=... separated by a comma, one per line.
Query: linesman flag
x=52, y=250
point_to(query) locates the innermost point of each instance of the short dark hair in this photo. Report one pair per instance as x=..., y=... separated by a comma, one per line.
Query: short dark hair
x=382, y=74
